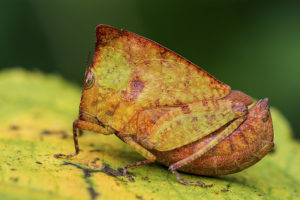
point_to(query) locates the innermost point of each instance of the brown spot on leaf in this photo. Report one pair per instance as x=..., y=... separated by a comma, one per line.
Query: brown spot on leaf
x=139, y=197
x=87, y=174
x=95, y=160
x=14, y=179
x=14, y=127
x=96, y=150
x=63, y=133
x=47, y=132
x=146, y=178
x=227, y=188
x=224, y=190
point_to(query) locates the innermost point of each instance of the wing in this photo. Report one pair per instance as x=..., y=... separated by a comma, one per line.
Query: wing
x=134, y=73
x=165, y=129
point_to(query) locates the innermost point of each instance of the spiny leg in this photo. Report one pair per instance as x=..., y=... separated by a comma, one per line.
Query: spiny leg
x=181, y=180
x=228, y=130
x=125, y=172
x=141, y=150
x=84, y=125
x=75, y=126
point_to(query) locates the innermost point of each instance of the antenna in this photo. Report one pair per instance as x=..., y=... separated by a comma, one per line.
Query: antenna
x=87, y=61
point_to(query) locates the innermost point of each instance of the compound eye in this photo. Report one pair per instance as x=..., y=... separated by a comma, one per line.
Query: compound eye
x=89, y=80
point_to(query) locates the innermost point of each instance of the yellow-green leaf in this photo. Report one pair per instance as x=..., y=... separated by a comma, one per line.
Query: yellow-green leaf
x=36, y=115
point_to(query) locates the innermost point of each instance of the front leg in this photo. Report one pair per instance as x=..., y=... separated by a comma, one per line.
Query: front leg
x=84, y=125
x=141, y=150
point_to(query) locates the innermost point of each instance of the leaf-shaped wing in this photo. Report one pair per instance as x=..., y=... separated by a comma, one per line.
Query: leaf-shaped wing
x=164, y=129
x=134, y=73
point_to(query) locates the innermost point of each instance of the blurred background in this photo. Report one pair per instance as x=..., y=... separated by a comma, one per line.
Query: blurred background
x=253, y=46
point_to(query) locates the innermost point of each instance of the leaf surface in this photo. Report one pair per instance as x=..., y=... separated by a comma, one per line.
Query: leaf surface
x=36, y=115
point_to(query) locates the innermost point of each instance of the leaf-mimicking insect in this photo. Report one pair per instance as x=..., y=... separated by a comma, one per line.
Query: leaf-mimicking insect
x=169, y=110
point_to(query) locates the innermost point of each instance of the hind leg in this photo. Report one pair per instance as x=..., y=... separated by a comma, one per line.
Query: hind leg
x=227, y=131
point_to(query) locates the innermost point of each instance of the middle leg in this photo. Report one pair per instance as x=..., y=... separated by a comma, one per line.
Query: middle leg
x=150, y=158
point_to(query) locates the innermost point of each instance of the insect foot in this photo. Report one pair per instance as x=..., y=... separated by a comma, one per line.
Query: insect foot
x=125, y=172
x=127, y=175
x=181, y=180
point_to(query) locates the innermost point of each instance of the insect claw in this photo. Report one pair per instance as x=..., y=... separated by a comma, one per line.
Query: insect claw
x=197, y=183
x=185, y=183
x=125, y=172
x=130, y=178
x=126, y=175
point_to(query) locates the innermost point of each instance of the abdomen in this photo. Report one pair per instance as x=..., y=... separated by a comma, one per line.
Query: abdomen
x=241, y=149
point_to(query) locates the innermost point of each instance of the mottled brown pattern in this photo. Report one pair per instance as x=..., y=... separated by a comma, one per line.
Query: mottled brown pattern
x=185, y=109
x=222, y=159
x=109, y=112
x=136, y=87
x=195, y=119
x=178, y=102
x=238, y=96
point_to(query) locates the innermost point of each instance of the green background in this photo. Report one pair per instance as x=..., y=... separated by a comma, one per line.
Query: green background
x=253, y=46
